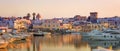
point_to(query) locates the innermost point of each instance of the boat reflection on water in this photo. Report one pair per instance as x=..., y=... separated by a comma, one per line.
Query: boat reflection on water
x=22, y=45
x=82, y=46
x=68, y=42
x=3, y=49
x=61, y=43
x=72, y=43
x=105, y=44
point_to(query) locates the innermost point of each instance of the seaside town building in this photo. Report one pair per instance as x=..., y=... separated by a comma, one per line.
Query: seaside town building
x=52, y=24
x=21, y=24
x=93, y=17
x=113, y=22
x=77, y=23
x=88, y=26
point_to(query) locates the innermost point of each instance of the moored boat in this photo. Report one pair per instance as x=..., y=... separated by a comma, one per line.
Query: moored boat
x=8, y=37
x=40, y=33
x=3, y=43
x=100, y=35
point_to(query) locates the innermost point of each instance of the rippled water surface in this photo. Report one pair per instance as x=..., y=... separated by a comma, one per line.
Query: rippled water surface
x=67, y=42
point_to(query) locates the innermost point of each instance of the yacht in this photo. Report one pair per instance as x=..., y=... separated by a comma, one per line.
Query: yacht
x=112, y=31
x=101, y=35
x=115, y=32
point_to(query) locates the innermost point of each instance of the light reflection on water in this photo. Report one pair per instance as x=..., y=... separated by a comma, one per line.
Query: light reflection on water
x=67, y=42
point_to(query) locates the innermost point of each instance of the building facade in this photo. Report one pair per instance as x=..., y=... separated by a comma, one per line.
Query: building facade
x=93, y=17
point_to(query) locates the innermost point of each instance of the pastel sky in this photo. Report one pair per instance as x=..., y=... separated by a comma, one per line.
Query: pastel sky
x=60, y=8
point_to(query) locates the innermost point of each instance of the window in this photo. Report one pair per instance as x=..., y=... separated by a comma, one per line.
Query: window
x=48, y=25
x=104, y=36
x=49, y=22
x=53, y=22
x=111, y=36
x=95, y=26
x=45, y=25
x=105, y=44
x=56, y=25
x=53, y=25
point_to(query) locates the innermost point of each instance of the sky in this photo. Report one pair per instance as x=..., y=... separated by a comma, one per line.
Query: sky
x=60, y=8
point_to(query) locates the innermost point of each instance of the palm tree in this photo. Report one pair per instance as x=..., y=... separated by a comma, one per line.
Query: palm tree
x=34, y=16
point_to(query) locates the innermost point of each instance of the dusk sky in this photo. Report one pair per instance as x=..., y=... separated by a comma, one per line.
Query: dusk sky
x=60, y=8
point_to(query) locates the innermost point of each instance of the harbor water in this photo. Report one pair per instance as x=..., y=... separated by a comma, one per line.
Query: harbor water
x=68, y=42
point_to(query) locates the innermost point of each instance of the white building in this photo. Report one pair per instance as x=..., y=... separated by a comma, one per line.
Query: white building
x=22, y=24
x=51, y=24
